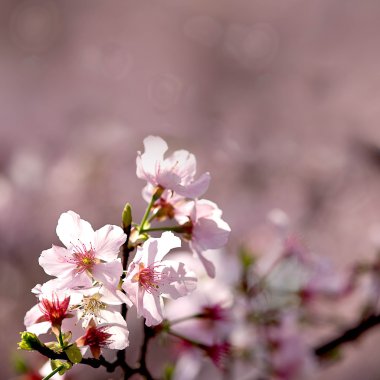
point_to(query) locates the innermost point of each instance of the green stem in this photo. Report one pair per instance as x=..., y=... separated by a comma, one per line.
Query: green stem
x=170, y=228
x=146, y=215
x=60, y=339
x=54, y=372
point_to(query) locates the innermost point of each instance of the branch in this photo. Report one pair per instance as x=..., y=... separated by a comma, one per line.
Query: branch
x=143, y=369
x=94, y=363
x=349, y=335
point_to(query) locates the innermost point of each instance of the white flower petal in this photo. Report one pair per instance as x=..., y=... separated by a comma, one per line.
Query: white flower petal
x=108, y=273
x=157, y=249
x=55, y=261
x=107, y=242
x=151, y=309
x=72, y=230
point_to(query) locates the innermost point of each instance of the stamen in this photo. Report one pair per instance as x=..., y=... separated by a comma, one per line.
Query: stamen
x=149, y=278
x=83, y=258
x=91, y=307
x=55, y=310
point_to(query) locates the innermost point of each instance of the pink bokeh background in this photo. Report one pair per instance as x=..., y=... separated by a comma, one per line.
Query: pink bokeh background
x=279, y=100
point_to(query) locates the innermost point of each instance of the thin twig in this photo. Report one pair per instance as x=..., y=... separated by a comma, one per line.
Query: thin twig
x=349, y=335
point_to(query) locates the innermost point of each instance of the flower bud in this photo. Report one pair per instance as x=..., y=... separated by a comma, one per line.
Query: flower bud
x=127, y=216
x=29, y=341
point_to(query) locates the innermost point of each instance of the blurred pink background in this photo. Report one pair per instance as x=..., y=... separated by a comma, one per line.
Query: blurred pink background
x=279, y=100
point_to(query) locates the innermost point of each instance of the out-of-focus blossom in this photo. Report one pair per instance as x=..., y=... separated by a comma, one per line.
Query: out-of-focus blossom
x=175, y=173
x=288, y=354
x=149, y=277
x=89, y=255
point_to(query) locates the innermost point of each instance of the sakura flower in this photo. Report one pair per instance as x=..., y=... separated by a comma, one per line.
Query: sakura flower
x=97, y=304
x=175, y=172
x=113, y=334
x=149, y=278
x=48, y=313
x=89, y=255
x=205, y=229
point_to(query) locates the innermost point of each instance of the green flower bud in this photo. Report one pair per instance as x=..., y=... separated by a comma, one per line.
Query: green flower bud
x=127, y=216
x=29, y=341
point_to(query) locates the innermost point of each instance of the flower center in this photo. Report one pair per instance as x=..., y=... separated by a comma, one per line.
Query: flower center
x=91, y=307
x=55, y=310
x=97, y=336
x=148, y=277
x=84, y=258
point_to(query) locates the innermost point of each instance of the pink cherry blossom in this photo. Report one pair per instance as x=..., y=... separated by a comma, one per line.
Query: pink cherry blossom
x=113, y=335
x=205, y=229
x=89, y=255
x=98, y=304
x=175, y=172
x=149, y=277
x=51, y=310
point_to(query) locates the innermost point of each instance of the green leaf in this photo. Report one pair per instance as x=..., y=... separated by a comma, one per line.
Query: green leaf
x=59, y=363
x=74, y=354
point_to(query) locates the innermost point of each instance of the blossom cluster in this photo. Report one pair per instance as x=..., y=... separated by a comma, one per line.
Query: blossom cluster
x=245, y=315
x=99, y=273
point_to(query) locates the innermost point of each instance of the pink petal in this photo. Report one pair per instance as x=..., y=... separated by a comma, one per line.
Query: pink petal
x=119, y=330
x=150, y=309
x=55, y=261
x=79, y=280
x=32, y=316
x=196, y=188
x=181, y=280
x=211, y=233
x=108, y=273
x=71, y=229
x=147, y=163
x=208, y=265
x=157, y=249
x=107, y=242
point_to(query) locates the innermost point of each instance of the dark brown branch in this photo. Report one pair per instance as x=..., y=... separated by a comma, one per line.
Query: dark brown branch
x=349, y=335
x=148, y=334
x=94, y=363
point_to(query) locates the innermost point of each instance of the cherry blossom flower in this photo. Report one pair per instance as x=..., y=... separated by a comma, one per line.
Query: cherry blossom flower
x=97, y=304
x=113, y=335
x=50, y=312
x=175, y=172
x=205, y=229
x=89, y=255
x=149, y=277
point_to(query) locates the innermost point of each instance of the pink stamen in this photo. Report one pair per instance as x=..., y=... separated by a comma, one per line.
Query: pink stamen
x=149, y=278
x=215, y=313
x=83, y=258
x=219, y=353
x=97, y=337
x=55, y=310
